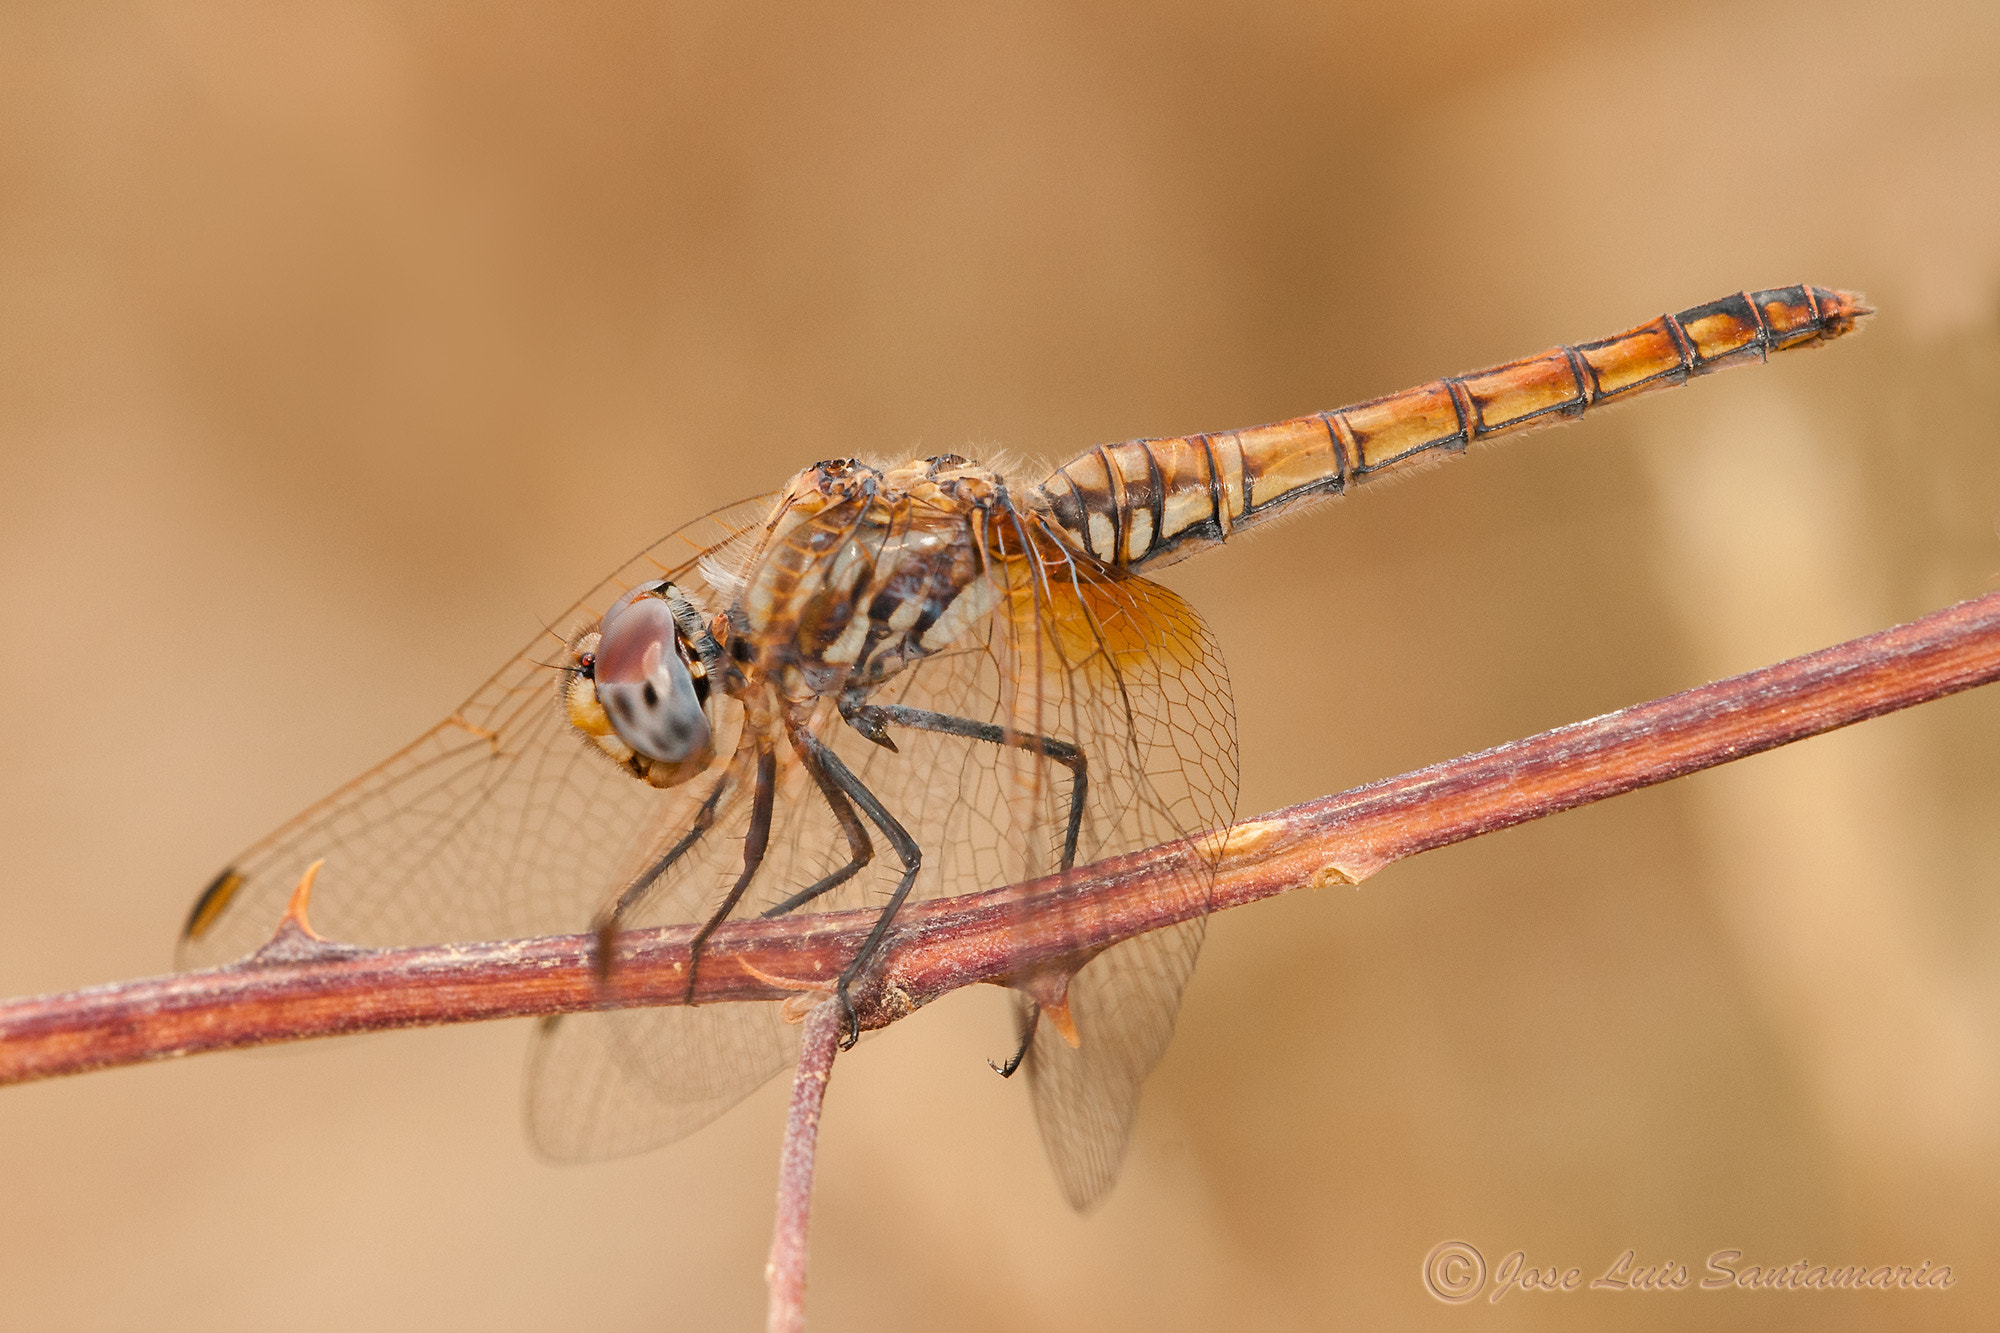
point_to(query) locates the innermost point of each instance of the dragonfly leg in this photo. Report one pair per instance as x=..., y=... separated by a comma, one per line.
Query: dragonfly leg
x=907, y=850
x=860, y=850
x=612, y=919
x=1021, y=1051
x=755, y=840
x=868, y=719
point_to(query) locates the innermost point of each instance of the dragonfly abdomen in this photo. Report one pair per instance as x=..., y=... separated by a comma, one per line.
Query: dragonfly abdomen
x=1151, y=502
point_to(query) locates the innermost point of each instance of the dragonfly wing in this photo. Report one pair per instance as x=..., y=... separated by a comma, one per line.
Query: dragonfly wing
x=501, y=822
x=497, y=823
x=1134, y=674
x=1110, y=664
x=1124, y=1004
x=607, y=1085
x=620, y=1081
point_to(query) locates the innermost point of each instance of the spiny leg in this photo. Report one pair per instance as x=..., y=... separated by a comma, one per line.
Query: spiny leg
x=612, y=919
x=907, y=851
x=868, y=719
x=860, y=850
x=755, y=841
x=1033, y=1016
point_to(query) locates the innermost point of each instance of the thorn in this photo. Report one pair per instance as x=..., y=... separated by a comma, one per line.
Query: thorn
x=1059, y=1016
x=295, y=910
x=1050, y=990
x=295, y=940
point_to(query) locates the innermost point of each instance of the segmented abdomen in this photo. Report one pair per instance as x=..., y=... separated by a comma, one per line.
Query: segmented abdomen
x=1151, y=502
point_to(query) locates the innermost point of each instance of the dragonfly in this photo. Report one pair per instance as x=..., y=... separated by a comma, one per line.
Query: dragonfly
x=887, y=683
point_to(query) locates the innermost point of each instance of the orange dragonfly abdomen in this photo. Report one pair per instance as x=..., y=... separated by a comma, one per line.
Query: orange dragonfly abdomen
x=1152, y=502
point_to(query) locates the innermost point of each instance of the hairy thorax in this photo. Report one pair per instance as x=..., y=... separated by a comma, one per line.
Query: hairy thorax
x=866, y=571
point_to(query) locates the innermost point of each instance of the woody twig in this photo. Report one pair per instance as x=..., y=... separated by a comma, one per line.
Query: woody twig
x=301, y=986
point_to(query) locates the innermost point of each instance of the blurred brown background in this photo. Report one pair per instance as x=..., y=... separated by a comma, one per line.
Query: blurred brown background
x=340, y=344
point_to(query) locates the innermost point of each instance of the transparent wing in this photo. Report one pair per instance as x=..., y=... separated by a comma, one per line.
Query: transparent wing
x=1073, y=653
x=496, y=823
x=1124, y=1004
x=610, y=1084
x=1136, y=669
x=500, y=822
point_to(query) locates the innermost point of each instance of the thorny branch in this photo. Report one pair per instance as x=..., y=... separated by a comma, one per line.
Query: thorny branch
x=300, y=986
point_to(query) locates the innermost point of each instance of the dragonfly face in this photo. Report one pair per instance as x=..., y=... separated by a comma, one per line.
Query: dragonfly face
x=881, y=685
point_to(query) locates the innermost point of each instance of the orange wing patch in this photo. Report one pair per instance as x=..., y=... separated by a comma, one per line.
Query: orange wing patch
x=1093, y=618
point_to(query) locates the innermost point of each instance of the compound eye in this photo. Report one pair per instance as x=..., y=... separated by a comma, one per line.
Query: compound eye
x=644, y=686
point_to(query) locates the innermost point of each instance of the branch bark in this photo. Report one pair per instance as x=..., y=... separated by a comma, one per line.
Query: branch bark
x=300, y=986
x=785, y=1270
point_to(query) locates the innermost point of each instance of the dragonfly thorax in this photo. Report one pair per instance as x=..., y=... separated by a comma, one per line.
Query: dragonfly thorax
x=867, y=571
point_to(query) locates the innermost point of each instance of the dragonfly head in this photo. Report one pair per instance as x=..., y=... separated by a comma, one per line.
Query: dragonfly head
x=637, y=684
